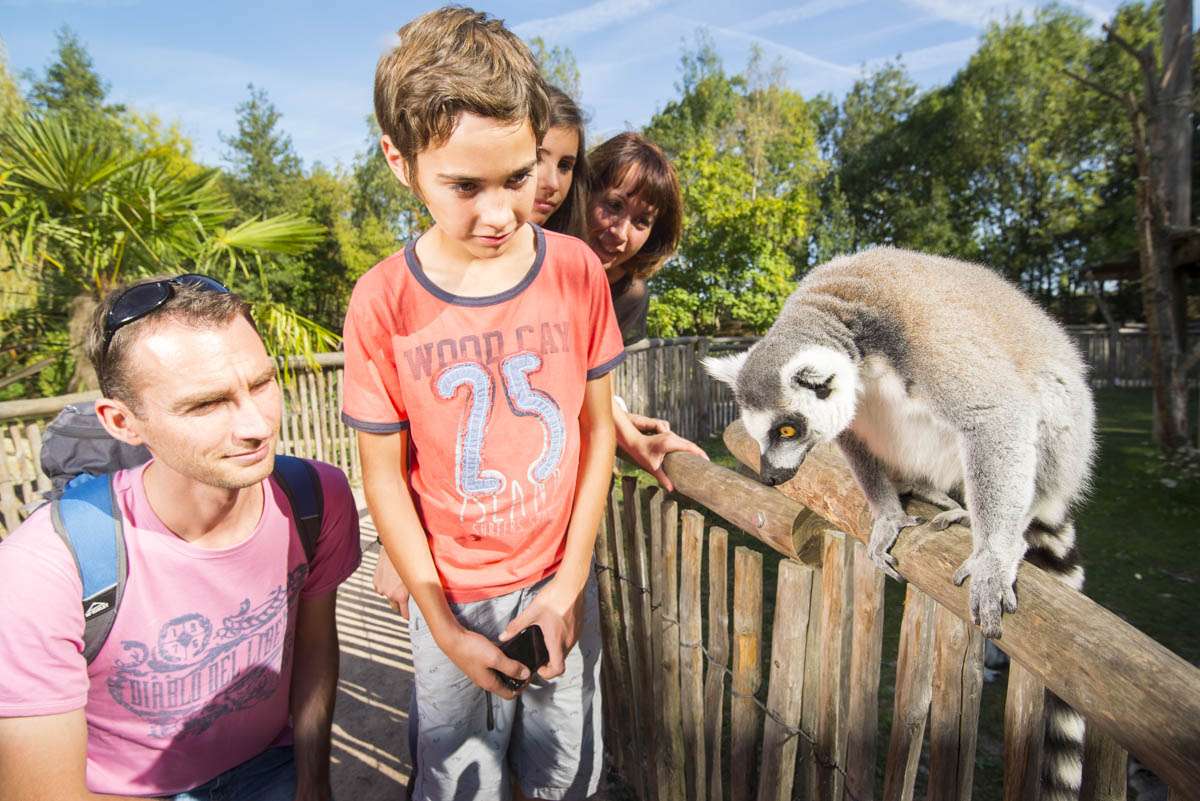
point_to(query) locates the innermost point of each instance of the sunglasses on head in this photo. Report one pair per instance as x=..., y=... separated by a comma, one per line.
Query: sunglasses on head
x=141, y=299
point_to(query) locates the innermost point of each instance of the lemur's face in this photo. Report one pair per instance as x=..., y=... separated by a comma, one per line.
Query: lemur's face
x=790, y=403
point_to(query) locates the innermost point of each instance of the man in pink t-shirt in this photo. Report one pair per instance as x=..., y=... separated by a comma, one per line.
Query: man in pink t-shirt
x=196, y=693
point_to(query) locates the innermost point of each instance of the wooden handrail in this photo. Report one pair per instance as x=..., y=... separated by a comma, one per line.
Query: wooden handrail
x=1129, y=686
x=777, y=520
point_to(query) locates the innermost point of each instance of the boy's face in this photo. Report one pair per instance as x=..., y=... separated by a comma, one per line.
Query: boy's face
x=479, y=184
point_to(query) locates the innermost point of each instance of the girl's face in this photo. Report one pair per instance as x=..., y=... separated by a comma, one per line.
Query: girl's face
x=555, y=171
x=619, y=223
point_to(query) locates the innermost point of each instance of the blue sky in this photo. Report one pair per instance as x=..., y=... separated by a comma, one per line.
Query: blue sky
x=190, y=61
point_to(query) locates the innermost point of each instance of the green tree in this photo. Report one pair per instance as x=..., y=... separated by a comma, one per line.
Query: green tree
x=264, y=171
x=80, y=214
x=71, y=87
x=558, y=65
x=11, y=102
x=745, y=148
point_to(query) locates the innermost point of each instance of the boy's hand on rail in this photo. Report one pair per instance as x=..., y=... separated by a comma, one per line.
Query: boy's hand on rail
x=477, y=656
x=388, y=583
x=648, y=453
x=559, y=615
x=649, y=425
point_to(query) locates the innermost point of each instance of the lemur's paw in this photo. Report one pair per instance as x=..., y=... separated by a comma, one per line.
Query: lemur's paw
x=943, y=520
x=928, y=494
x=991, y=592
x=883, y=537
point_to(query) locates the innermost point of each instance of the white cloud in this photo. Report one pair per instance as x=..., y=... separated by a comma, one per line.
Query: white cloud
x=784, y=16
x=928, y=58
x=588, y=19
x=980, y=15
x=790, y=55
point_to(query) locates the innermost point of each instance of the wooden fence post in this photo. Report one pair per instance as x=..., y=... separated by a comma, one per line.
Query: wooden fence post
x=914, y=676
x=836, y=611
x=1104, y=768
x=634, y=650
x=718, y=652
x=691, y=641
x=866, y=656
x=671, y=743
x=954, y=714
x=785, y=688
x=1024, y=731
x=615, y=667
x=747, y=669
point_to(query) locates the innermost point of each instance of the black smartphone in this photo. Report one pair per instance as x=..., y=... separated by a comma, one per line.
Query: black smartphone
x=528, y=648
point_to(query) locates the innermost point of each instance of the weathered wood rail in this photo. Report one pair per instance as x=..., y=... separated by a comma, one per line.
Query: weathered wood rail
x=816, y=723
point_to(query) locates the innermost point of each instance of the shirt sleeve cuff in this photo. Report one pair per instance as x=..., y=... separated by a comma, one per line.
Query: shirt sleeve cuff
x=374, y=428
x=607, y=367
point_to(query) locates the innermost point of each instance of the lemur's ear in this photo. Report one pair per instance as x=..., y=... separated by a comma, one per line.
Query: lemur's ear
x=822, y=387
x=725, y=368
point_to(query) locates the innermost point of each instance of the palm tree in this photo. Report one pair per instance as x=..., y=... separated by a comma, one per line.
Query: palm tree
x=79, y=215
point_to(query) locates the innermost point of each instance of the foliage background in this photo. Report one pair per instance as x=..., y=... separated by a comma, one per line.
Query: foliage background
x=1011, y=163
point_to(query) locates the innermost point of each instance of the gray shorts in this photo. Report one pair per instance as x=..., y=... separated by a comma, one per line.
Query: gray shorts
x=548, y=739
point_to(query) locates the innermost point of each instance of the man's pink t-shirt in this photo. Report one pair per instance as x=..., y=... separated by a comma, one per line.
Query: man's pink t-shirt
x=194, y=676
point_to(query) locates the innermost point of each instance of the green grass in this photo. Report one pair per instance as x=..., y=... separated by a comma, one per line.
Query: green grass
x=1139, y=535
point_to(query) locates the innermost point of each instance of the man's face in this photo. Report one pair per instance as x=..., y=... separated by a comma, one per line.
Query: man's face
x=479, y=185
x=208, y=402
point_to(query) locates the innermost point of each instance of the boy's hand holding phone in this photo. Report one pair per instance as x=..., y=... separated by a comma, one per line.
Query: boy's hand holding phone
x=482, y=662
x=558, y=616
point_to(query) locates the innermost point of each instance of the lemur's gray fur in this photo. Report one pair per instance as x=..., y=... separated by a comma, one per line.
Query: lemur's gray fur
x=937, y=375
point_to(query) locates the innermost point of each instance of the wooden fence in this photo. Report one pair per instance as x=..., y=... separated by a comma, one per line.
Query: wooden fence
x=660, y=378
x=803, y=721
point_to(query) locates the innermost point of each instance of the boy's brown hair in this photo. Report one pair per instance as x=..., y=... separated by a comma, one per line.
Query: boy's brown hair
x=655, y=181
x=449, y=61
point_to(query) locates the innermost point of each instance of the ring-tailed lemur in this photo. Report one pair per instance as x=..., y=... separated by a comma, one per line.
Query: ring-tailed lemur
x=940, y=375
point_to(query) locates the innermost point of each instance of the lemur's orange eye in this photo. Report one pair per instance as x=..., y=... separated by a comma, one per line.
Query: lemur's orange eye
x=787, y=432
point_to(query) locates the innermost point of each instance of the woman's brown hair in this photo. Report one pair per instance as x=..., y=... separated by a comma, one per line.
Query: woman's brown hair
x=571, y=216
x=655, y=182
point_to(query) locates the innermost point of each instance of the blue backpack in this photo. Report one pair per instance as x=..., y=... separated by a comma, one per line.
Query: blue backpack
x=80, y=457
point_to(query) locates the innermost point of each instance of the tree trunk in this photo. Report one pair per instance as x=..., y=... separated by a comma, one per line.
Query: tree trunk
x=1161, y=121
x=80, y=312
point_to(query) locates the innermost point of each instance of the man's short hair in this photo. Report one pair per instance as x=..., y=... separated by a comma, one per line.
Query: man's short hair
x=447, y=62
x=192, y=306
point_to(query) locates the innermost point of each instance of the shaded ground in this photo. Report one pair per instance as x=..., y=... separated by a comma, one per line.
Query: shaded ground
x=370, y=746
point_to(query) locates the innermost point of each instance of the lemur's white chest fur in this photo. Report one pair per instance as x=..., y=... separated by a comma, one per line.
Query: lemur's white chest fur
x=902, y=431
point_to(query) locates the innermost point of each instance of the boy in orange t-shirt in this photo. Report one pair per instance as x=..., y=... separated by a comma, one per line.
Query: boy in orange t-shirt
x=477, y=376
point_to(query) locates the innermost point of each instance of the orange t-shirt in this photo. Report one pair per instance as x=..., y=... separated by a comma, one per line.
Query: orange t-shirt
x=490, y=390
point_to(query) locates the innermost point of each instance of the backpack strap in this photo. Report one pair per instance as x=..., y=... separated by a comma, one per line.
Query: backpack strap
x=302, y=485
x=86, y=520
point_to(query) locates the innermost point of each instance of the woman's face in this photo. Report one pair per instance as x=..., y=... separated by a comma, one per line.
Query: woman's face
x=555, y=171
x=619, y=223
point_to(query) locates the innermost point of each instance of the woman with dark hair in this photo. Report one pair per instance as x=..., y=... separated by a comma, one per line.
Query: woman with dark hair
x=634, y=221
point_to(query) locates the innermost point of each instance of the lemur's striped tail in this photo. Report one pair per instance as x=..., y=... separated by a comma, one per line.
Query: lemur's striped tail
x=1052, y=548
